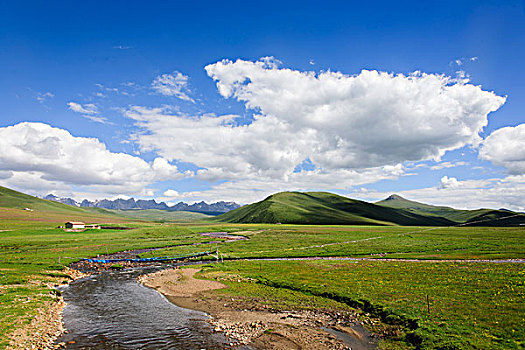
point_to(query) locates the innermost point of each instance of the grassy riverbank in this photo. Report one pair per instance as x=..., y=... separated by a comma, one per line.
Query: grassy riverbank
x=470, y=305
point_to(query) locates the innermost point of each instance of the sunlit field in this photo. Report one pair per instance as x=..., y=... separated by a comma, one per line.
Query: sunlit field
x=470, y=304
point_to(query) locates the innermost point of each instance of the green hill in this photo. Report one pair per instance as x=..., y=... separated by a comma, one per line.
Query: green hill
x=286, y=207
x=22, y=207
x=478, y=217
x=326, y=209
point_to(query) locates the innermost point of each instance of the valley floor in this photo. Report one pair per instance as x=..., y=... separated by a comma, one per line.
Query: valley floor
x=425, y=288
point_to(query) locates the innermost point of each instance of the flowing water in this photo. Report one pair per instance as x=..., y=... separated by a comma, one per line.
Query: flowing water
x=112, y=310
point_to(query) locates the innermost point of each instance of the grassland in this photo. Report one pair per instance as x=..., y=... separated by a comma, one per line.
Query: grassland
x=472, y=305
x=266, y=241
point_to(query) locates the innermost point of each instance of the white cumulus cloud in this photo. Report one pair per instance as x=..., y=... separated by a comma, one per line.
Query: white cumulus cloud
x=49, y=154
x=171, y=194
x=175, y=84
x=506, y=147
x=337, y=121
x=370, y=119
x=449, y=182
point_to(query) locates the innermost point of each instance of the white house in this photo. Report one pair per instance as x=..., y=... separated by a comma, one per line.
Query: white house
x=75, y=224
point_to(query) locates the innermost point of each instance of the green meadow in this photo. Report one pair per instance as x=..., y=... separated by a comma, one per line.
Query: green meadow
x=266, y=241
x=156, y=215
x=471, y=305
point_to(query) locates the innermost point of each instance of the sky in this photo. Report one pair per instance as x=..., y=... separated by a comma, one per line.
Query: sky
x=190, y=101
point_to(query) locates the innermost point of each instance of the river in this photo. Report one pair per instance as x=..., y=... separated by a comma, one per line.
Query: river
x=111, y=310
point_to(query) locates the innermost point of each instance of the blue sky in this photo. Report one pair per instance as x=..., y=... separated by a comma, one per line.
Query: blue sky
x=134, y=99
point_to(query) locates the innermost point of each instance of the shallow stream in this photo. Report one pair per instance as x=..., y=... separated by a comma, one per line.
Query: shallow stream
x=112, y=310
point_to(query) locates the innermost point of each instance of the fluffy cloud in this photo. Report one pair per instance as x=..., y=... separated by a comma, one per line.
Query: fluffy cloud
x=267, y=147
x=449, y=182
x=175, y=84
x=171, y=194
x=53, y=155
x=370, y=119
x=337, y=121
x=506, y=147
x=5, y=174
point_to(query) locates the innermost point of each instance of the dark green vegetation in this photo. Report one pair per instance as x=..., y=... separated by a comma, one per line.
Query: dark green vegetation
x=470, y=305
x=323, y=208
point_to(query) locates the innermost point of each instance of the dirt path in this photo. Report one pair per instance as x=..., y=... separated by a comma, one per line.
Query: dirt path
x=249, y=322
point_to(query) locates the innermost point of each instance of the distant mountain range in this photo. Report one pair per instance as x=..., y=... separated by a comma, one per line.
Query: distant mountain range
x=132, y=204
x=36, y=209
x=330, y=209
x=314, y=208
